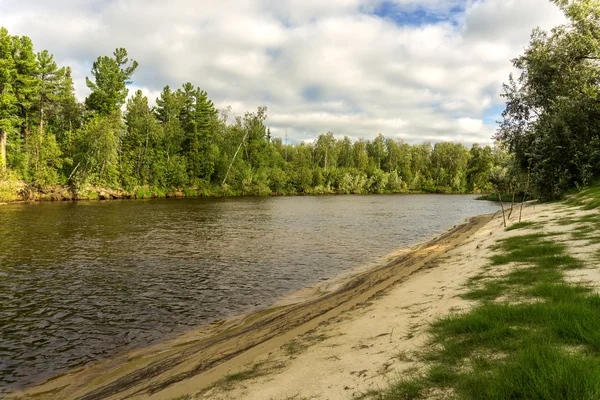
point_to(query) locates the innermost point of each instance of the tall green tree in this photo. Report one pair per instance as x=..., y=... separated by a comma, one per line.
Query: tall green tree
x=109, y=87
x=141, y=157
x=68, y=116
x=198, y=119
x=9, y=117
x=168, y=110
x=552, y=117
x=50, y=77
x=27, y=81
x=97, y=151
x=479, y=166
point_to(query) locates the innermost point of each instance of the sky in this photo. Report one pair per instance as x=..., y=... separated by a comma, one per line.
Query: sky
x=419, y=70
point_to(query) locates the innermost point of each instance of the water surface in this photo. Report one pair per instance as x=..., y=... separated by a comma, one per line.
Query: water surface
x=82, y=281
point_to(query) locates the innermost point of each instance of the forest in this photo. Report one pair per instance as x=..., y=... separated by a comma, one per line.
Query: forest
x=547, y=143
x=185, y=145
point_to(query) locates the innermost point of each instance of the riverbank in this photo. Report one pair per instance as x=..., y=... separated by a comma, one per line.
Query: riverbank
x=15, y=191
x=204, y=353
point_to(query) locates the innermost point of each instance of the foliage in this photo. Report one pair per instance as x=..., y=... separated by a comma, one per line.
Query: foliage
x=551, y=122
x=109, y=88
x=184, y=142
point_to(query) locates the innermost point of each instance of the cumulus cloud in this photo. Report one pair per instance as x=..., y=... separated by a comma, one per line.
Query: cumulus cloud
x=412, y=69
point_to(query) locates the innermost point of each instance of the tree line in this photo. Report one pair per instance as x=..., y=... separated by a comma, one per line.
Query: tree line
x=113, y=140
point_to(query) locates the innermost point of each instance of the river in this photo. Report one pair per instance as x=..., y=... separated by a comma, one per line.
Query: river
x=82, y=281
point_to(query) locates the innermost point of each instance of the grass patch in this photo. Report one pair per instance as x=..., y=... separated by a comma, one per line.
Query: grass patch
x=489, y=291
x=524, y=249
x=190, y=193
x=522, y=225
x=592, y=204
x=582, y=232
x=405, y=389
x=143, y=193
x=294, y=347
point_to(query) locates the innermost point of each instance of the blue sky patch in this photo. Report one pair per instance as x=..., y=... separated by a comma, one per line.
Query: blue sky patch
x=416, y=16
x=312, y=93
x=493, y=114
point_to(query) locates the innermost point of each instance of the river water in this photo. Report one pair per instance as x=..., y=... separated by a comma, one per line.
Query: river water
x=82, y=281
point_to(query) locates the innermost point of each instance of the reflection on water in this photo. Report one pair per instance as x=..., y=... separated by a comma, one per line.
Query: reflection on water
x=81, y=281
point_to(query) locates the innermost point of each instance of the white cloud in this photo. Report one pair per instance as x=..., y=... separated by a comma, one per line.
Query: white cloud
x=319, y=66
x=470, y=125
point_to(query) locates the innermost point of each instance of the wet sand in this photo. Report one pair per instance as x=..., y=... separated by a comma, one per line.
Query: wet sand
x=192, y=363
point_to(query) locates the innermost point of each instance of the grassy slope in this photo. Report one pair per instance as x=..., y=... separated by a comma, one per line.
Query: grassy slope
x=531, y=334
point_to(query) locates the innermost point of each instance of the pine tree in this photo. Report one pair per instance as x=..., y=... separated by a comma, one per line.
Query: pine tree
x=68, y=117
x=9, y=118
x=111, y=77
x=27, y=81
x=50, y=77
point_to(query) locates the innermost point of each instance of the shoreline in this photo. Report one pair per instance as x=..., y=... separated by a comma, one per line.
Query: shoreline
x=208, y=353
x=65, y=194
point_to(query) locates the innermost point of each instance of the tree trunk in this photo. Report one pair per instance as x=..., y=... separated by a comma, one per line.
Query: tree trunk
x=233, y=159
x=41, y=119
x=512, y=205
x=502, y=205
x=147, y=141
x=102, y=173
x=2, y=150
x=525, y=194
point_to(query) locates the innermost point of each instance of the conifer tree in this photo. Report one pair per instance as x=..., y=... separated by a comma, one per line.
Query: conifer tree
x=50, y=77
x=8, y=101
x=109, y=87
x=27, y=81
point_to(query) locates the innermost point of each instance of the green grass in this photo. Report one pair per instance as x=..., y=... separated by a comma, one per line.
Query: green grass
x=531, y=335
x=190, y=193
x=89, y=194
x=294, y=348
x=588, y=199
x=142, y=193
x=526, y=249
x=522, y=225
x=592, y=205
